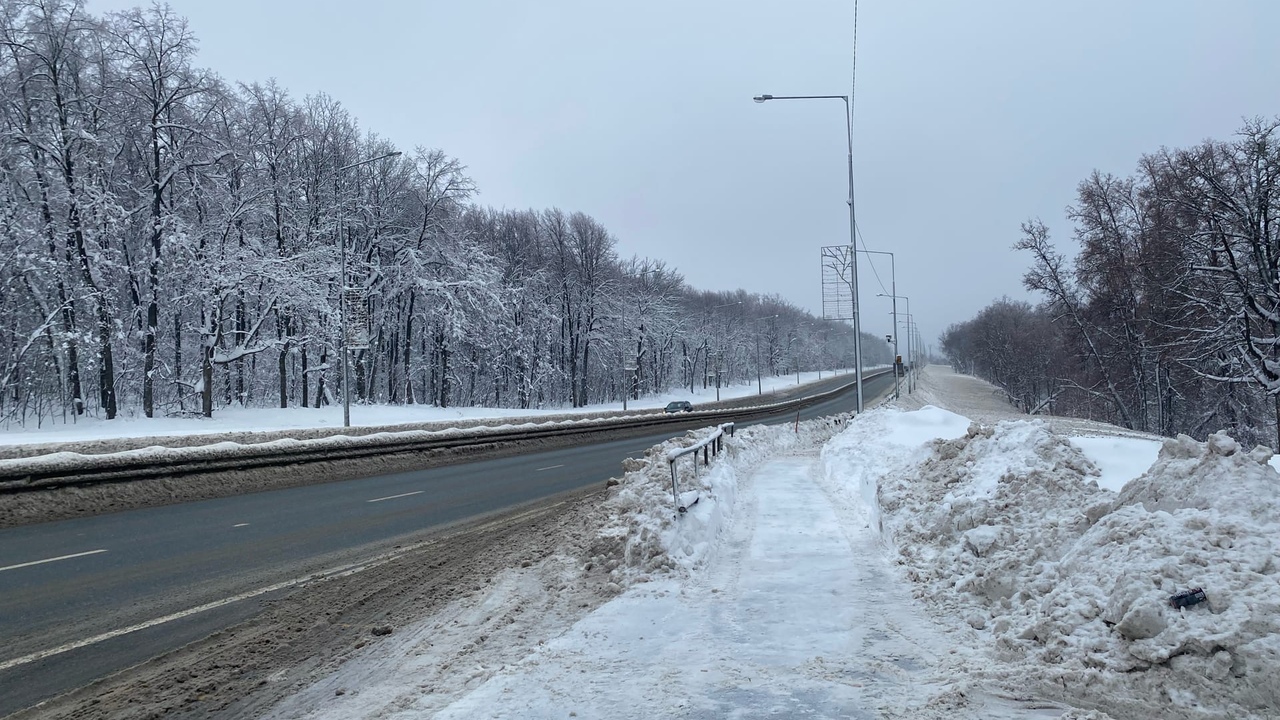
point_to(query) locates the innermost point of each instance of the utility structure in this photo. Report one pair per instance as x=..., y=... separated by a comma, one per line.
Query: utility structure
x=853, y=227
x=346, y=296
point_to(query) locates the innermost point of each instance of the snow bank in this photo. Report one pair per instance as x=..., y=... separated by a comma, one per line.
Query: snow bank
x=1007, y=530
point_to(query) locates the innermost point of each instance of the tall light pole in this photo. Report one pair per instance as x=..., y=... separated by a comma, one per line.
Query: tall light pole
x=759, y=382
x=342, y=295
x=853, y=227
x=893, y=294
x=896, y=298
x=911, y=345
x=719, y=353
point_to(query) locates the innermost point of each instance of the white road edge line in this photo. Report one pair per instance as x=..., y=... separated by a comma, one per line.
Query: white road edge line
x=49, y=560
x=338, y=572
x=393, y=497
x=550, y=467
x=240, y=525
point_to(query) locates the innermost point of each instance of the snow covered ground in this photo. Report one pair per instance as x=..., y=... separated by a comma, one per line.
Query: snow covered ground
x=904, y=564
x=236, y=419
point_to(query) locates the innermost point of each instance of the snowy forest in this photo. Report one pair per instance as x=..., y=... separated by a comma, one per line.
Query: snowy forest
x=1167, y=319
x=173, y=243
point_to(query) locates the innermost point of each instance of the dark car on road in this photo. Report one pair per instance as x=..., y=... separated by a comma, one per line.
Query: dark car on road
x=676, y=406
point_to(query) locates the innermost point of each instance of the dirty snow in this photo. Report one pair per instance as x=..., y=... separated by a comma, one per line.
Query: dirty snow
x=1006, y=530
x=905, y=564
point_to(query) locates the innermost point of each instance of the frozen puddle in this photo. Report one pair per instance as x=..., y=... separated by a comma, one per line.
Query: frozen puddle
x=798, y=614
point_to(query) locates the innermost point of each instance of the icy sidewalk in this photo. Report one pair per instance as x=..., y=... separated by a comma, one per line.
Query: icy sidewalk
x=797, y=615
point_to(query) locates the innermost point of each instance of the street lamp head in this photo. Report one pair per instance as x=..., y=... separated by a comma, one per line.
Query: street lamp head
x=762, y=98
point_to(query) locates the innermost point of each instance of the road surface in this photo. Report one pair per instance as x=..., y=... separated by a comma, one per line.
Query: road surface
x=82, y=598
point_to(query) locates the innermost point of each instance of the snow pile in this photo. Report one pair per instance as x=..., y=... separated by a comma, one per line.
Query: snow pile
x=1006, y=529
x=885, y=442
x=989, y=508
x=1206, y=515
x=644, y=534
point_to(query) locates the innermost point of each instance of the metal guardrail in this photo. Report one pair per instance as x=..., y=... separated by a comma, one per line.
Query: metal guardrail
x=712, y=443
x=71, y=469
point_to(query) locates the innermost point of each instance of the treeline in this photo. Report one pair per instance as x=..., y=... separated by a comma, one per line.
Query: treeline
x=172, y=245
x=1167, y=319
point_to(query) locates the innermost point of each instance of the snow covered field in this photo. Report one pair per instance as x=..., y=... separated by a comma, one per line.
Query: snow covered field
x=236, y=419
x=901, y=565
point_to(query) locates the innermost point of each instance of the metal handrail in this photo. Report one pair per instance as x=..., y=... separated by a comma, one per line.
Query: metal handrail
x=713, y=443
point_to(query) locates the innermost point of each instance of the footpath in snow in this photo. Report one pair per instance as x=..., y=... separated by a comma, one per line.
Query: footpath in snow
x=906, y=564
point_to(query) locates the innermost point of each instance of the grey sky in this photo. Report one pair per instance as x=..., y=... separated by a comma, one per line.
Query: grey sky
x=970, y=117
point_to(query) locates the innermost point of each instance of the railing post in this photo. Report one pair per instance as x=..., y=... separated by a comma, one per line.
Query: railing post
x=675, y=495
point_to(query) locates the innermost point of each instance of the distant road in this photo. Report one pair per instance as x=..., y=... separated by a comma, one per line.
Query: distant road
x=82, y=598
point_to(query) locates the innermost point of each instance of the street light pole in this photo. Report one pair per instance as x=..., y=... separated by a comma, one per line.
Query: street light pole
x=759, y=382
x=853, y=228
x=911, y=345
x=893, y=294
x=707, y=364
x=895, y=330
x=342, y=295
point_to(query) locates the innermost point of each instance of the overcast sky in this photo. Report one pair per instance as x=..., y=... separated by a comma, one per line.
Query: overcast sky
x=970, y=116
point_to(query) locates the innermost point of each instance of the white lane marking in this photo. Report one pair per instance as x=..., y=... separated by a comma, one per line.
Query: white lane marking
x=240, y=525
x=338, y=572
x=49, y=560
x=550, y=467
x=393, y=497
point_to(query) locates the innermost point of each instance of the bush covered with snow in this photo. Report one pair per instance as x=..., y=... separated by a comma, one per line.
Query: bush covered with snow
x=1006, y=529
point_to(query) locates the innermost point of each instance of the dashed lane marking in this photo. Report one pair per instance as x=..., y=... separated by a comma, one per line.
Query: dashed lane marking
x=393, y=497
x=52, y=559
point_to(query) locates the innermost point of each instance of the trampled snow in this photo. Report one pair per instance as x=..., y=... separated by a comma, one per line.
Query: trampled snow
x=907, y=564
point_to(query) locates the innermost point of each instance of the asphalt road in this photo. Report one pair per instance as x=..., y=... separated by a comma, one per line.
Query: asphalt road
x=82, y=598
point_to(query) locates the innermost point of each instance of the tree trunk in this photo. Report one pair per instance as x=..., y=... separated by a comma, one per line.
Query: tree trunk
x=408, y=349
x=206, y=381
x=282, y=366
